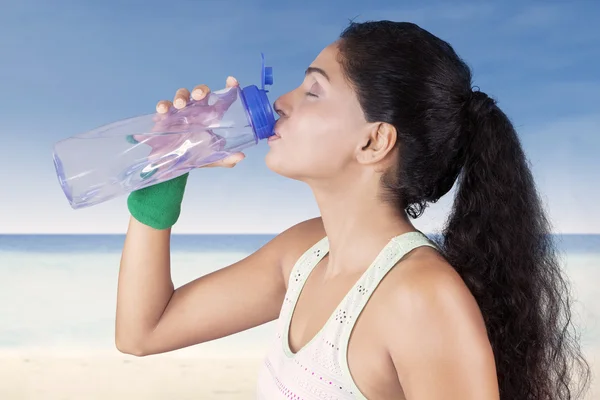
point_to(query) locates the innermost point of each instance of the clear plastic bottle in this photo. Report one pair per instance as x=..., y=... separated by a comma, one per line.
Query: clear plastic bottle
x=138, y=152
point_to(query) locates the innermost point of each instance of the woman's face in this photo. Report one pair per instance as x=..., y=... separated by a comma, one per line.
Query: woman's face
x=321, y=125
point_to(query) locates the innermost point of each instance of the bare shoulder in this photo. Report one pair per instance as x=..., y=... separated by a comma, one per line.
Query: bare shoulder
x=433, y=327
x=424, y=279
x=425, y=290
x=296, y=240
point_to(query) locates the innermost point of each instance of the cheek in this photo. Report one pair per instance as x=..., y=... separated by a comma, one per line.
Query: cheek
x=315, y=146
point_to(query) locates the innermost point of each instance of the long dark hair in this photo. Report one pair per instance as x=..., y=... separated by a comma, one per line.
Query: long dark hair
x=497, y=236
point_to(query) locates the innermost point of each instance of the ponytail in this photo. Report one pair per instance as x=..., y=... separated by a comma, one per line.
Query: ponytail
x=499, y=240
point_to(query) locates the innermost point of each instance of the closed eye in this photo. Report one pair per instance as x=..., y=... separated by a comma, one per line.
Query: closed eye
x=309, y=94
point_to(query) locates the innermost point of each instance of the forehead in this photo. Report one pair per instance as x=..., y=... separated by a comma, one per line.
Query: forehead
x=340, y=88
x=327, y=60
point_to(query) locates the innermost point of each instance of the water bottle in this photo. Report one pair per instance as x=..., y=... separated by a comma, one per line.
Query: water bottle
x=131, y=154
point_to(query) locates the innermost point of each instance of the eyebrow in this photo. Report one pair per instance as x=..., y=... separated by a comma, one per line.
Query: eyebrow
x=318, y=71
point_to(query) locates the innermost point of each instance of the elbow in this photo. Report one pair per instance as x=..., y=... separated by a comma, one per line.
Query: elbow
x=131, y=347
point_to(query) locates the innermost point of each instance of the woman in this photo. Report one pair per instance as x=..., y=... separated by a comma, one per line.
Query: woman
x=384, y=123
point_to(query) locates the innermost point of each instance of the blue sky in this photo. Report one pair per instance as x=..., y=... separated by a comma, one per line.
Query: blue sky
x=70, y=66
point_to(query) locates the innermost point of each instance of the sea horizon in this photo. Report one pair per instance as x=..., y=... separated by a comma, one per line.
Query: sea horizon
x=569, y=242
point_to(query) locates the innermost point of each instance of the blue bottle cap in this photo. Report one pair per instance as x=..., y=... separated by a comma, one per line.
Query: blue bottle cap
x=266, y=73
x=258, y=106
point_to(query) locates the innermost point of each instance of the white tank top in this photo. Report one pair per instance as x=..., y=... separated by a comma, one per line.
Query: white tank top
x=319, y=370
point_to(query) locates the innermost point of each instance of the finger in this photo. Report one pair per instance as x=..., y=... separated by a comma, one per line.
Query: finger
x=229, y=161
x=227, y=98
x=200, y=92
x=182, y=96
x=232, y=160
x=231, y=82
x=163, y=106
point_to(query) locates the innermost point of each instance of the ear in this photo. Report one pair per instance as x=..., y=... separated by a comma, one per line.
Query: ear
x=378, y=142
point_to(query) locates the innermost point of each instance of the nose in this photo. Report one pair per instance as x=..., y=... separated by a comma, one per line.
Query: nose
x=282, y=106
x=277, y=108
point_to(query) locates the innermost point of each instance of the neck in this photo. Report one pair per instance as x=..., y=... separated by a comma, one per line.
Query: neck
x=357, y=223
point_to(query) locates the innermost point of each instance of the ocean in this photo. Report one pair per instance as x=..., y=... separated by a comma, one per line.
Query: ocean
x=58, y=292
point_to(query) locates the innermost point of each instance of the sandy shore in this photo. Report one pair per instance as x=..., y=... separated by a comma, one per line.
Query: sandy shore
x=114, y=377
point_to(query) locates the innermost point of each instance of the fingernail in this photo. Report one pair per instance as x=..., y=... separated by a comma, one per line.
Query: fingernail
x=179, y=103
x=198, y=93
x=162, y=108
x=232, y=79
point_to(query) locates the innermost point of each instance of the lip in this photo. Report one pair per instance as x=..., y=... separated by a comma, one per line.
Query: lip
x=274, y=137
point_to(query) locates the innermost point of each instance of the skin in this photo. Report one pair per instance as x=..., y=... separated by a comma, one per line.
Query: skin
x=420, y=337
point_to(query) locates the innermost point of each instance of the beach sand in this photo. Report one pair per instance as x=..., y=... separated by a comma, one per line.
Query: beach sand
x=115, y=377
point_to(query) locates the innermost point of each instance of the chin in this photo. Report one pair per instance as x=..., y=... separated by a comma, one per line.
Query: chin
x=281, y=166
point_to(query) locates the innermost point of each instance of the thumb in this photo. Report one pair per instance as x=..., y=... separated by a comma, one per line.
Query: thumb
x=229, y=161
x=233, y=159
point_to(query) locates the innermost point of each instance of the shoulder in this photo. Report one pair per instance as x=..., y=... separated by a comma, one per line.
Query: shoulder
x=425, y=281
x=424, y=292
x=431, y=321
x=296, y=240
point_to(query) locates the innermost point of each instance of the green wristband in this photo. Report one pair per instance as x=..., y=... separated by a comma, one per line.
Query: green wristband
x=158, y=206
